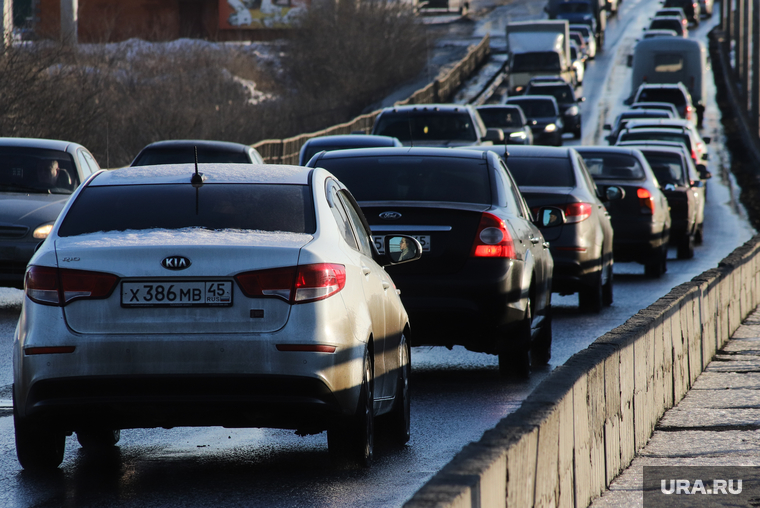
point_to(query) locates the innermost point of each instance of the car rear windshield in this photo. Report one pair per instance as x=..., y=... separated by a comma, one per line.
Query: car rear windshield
x=563, y=93
x=410, y=178
x=613, y=166
x=537, y=61
x=435, y=126
x=541, y=172
x=33, y=170
x=666, y=24
x=260, y=207
x=157, y=156
x=668, y=168
x=574, y=7
x=671, y=95
x=538, y=108
x=501, y=117
x=640, y=135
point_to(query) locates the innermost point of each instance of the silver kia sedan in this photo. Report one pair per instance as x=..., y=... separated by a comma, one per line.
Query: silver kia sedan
x=228, y=295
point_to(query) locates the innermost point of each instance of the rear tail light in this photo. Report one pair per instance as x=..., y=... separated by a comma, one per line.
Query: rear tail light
x=493, y=239
x=689, y=111
x=577, y=212
x=59, y=286
x=694, y=155
x=646, y=201
x=295, y=284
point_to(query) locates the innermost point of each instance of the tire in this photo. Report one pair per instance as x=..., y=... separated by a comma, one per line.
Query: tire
x=400, y=416
x=98, y=439
x=686, y=247
x=541, y=349
x=352, y=442
x=657, y=266
x=590, y=299
x=607, y=290
x=514, y=362
x=38, y=447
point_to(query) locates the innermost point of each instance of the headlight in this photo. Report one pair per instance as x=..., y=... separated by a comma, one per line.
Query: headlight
x=550, y=128
x=572, y=111
x=42, y=232
x=518, y=135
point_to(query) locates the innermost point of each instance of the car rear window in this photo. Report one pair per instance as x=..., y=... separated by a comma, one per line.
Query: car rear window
x=666, y=24
x=613, y=166
x=541, y=172
x=259, y=207
x=640, y=135
x=410, y=178
x=537, y=61
x=24, y=169
x=435, y=126
x=668, y=168
x=158, y=156
x=563, y=93
x=671, y=95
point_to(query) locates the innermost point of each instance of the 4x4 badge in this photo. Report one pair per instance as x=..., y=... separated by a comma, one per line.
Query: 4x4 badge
x=390, y=215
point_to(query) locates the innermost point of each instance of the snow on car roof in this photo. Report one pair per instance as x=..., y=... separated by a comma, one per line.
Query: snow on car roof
x=185, y=236
x=212, y=173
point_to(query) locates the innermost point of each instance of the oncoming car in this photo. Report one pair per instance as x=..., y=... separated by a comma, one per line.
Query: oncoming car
x=237, y=296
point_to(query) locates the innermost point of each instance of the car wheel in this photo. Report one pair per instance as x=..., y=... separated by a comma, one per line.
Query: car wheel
x=400, y=416
x=514, y=361
x=352, y=442
x=38, y=447
x=658, y=265
x=590, y=298
x=607, y=290
x=686, y=247
x=541, y=350
x=98, y=438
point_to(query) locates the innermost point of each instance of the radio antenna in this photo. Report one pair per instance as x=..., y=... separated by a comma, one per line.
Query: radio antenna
x=409, y=123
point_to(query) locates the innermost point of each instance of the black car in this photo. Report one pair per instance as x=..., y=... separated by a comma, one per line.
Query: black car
x=691, y=8
x=566, y=100
x=342, y=142
x=37, y=178
x=632, y=114
x=510, y=119
x=641, y=218
x=485, y=277
x=582, y=247
x=181, y=151
x=543, y=116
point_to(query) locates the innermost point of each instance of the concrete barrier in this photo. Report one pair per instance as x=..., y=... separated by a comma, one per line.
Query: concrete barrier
x=585, y=422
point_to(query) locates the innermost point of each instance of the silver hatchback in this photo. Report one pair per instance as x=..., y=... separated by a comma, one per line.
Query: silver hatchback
x=237, y=296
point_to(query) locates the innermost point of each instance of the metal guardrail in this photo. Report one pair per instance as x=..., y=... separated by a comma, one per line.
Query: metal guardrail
x=285, y=151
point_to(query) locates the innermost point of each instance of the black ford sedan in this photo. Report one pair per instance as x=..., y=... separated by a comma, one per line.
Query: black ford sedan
x=485, y=277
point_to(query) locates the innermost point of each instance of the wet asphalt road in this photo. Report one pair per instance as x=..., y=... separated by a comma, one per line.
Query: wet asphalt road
x=457, y=395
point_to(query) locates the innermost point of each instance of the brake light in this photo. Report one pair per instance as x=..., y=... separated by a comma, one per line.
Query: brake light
x=58, y=286
x=295, y=284
x=646, y=200
x=689, y=111
x=577, y=212
x=694, y=155
x=492, y=239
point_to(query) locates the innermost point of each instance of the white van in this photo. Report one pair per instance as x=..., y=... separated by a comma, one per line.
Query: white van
x=672, y=60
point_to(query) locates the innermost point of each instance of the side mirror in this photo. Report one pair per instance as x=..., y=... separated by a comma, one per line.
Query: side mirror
x=614, y=193
x=706, y=139
x=401, y=249
x=607, y=127
x=703, y=173
x=705, y=156
x=549, y=217
x=581, y=99
x=697, y=183
x=494, y=135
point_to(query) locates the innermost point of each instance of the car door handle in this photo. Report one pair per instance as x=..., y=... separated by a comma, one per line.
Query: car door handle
x=366, y=270
x=534, y=240
x=546, y=245
x=386, y=284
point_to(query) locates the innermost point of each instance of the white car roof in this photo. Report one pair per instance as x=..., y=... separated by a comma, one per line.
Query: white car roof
x=212, y=173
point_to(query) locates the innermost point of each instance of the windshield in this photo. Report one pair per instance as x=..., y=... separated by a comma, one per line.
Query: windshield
x=563, y=93
x=37, y=171
x=409, y=178
x=574, y=7
x=501, y=117
x=613, y=166
x=537, y=108
x=547, y=61
x=180, y=155
x=442, y=126
x=259, y=207
x=541, y=172
x=668, y=168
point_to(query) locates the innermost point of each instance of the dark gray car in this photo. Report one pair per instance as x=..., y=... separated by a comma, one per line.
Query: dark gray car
x=37, y=177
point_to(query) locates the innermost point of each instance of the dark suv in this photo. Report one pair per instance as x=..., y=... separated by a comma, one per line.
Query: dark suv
x=442, y=125
x=690, y=7
x=566, y=100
